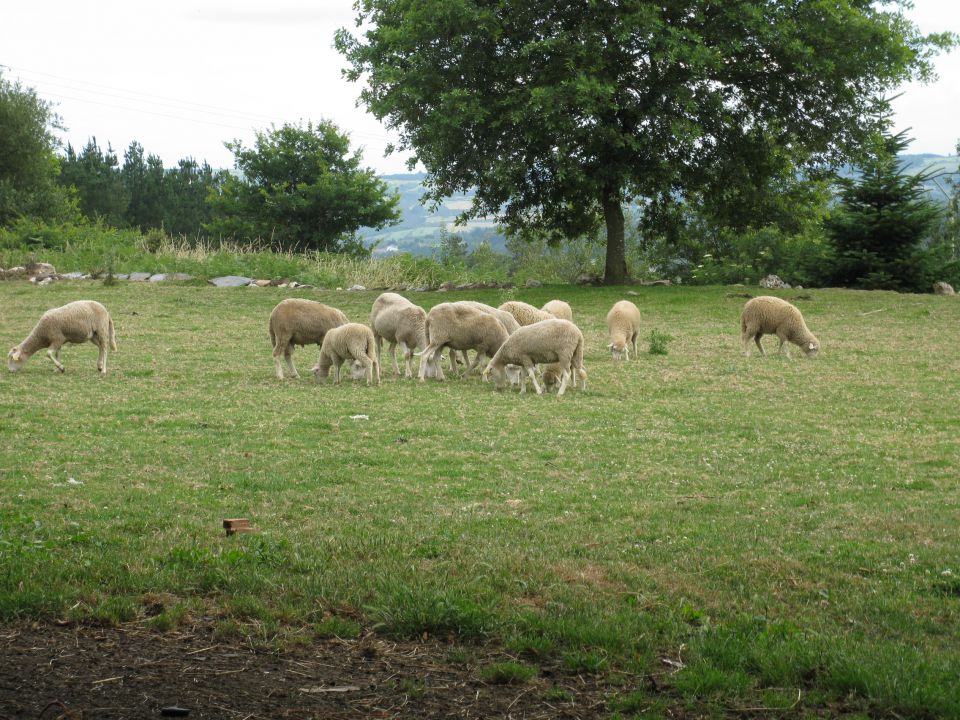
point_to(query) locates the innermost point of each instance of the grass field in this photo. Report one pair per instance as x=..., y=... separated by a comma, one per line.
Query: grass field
x=762, y=533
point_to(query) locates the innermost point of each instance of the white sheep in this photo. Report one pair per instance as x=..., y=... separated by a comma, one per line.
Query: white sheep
x=399, y=322
x=509, y=323
x=524, y=313
x=75, y=322
x=354, y=343
x=459, y=326
x=548, y=341
x=559, y=309
x=623, y=328
x=768, y=315
x=296, y=321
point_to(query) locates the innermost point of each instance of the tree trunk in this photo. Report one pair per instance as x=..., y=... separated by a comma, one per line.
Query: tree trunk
x=615, y=271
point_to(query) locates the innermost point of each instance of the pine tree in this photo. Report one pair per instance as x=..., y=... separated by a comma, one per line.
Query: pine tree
x=884, y=216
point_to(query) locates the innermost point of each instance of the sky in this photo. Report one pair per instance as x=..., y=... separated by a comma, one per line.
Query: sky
x=182, y=77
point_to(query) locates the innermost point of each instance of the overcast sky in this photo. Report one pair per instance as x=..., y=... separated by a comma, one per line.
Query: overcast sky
x=181, y=77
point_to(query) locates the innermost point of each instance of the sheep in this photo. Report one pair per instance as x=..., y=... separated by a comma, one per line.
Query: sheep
x=525, y=314
x=548, y=341
x=75, y=322
x=353, y=342
x=296, y=321
x=768, y=315
x=399, y=322
x=509, y=323
x=623, y=328
x=459, y=326
x=559, y=309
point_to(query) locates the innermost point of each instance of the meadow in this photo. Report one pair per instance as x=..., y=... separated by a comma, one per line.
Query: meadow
x=760, y=534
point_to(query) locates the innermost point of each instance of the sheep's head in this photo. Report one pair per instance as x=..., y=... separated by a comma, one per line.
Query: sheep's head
x=357, y=370
x=15, y=359
x=551, y=377
x=811, y=348
x=513, y=374
x=619, y=350
x=498, y=373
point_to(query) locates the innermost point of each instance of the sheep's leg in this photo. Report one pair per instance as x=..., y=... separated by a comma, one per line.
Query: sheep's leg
x=53, y=352
x=784, y=348
x=756, y=339
x=102, y=357
x=407, y=360
x=336, y=370
x=533, y=378
x=393, y=357
x=564, y=379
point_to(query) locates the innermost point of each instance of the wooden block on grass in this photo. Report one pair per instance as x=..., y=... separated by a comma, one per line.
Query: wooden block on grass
x=237, y=525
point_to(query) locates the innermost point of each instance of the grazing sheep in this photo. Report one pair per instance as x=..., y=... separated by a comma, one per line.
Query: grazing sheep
x=295, y=321
x=352, y=342
x=509, y=323
x=548, y=341
x=768, y=315
x=559, y=309
x=75, y=322
x=524, y=313
x=459, y=326
x=399, y=322
x=623, y=327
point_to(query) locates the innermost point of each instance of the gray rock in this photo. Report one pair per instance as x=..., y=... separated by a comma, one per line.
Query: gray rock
x=532, y=283
x=772, y=282
x=121, y=276
x=75, y=276
x=942, y=288
x=140, y=276
x=15, y=273
x=356, y=287
x=231, y=281
x=40, y=268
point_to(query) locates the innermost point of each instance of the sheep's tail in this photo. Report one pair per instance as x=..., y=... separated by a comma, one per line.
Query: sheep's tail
x=113, y=335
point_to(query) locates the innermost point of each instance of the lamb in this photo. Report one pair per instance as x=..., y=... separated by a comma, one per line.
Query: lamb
x=75, y=322
x=524, y=313
x=559, y=309
x=768, y=315
x=623, y=327
x=399, y=322
x=548, y=341
x=352, y=342
x=459, y=326
x=296, y=321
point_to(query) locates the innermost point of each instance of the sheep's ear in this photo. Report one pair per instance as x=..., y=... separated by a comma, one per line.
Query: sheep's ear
x=811, y=347
x=610, y=346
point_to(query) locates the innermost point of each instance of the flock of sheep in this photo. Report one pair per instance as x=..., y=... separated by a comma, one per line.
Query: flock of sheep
x=510, y=342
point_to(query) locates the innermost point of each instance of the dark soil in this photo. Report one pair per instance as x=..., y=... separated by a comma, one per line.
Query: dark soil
x=80, y=672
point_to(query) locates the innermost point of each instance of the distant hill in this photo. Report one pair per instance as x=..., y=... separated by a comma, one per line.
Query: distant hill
x=419, y=230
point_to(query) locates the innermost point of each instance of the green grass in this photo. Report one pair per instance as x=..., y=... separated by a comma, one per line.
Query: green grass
x=771, y=526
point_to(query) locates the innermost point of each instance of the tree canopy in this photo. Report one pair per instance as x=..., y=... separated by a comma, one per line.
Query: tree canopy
x=28, y=162
x=300, y=188
x=558, y=112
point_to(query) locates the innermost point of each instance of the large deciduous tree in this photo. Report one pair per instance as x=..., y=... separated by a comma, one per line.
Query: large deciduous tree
x=299, y=187
x=557, y=112
x=28, y=161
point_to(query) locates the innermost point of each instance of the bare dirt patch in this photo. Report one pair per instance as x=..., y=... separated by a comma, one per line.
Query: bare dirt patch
x=79, y=672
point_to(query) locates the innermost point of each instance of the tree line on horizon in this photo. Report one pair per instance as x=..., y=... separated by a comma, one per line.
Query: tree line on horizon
x=721, y=129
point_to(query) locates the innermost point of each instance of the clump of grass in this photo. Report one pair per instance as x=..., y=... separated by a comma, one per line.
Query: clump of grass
x=334, y=626
x=508, y=673
x=658, y=342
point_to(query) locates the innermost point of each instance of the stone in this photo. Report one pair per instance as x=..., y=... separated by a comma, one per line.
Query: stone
x=74, y=275
x=140, y=276
x=446, y=286
x=159, y=277
x=15, y=273
x=180, y=276
x=532, y=283
x=121, y=276
x=356, y=287
x=942, y=288
x=40, y=268
x=261, y=283
x=772, y=282
x=231, y=281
